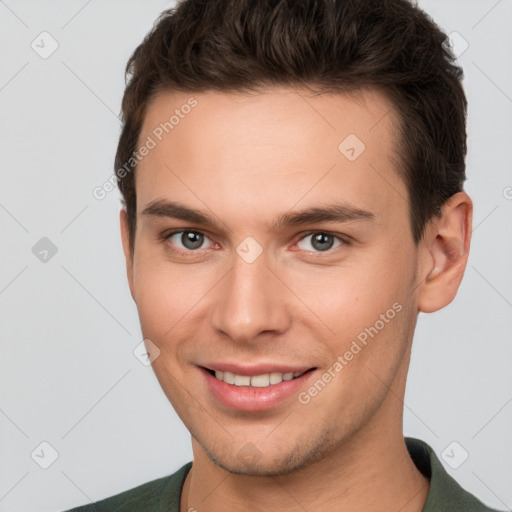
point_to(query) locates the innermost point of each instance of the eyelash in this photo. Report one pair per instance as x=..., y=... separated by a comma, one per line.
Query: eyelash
x=167, y=235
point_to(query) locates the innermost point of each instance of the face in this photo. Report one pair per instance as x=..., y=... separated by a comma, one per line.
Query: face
x=272, y=287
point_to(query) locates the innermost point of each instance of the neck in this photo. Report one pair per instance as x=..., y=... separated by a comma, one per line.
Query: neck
x=363, y=474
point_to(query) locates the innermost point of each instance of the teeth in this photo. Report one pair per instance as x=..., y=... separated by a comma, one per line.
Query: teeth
x=260, y=381
x=276, y=378
x=257, y=381
x=242, y=380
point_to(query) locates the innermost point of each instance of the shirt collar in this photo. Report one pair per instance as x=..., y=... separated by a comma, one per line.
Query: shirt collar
x=444, y=493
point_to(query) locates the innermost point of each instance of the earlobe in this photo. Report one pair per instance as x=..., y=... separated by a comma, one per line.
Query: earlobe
x=125, y=238
x=446, y=250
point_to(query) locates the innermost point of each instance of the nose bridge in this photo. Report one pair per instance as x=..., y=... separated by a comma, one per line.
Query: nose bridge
x=249, y=301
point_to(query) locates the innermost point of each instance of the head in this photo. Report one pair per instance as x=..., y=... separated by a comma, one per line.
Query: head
x=325, y=143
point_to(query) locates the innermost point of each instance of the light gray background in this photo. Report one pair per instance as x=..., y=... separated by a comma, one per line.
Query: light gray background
x=69, y=326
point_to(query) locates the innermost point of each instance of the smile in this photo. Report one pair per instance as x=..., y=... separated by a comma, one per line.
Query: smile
x=256, y=392
x=258, y=381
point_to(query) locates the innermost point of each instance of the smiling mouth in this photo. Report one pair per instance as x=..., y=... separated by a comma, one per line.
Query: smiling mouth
x=258, y=381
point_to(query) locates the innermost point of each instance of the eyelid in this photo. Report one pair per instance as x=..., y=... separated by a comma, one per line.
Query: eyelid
x=345, y=239
x=166, y=235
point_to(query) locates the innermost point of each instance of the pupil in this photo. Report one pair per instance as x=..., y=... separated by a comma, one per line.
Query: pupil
x=322, y=238
x=188, y=241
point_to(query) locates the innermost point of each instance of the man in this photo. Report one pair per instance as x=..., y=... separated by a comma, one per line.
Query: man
x=256, y=132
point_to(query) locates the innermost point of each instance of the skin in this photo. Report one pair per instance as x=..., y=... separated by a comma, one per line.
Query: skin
x=247, y=159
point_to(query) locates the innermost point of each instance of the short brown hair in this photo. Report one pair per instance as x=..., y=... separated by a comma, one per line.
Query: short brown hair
x=334, y=45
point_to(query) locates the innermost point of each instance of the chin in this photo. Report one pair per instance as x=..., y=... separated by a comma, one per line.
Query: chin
x=253, y=468
x=250, y=461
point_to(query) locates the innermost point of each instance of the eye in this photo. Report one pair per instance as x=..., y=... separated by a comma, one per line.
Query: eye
x=322, y=241
x=190, y=240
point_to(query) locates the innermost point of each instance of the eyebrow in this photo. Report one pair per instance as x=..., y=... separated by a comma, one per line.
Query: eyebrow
x=332, y=212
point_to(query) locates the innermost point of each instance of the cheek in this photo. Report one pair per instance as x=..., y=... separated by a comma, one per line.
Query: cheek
x=157, y=295
x=364, y=308
x=353, y=295
x=168, y=296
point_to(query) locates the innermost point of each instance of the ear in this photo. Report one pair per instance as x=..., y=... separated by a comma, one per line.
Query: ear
x=125, y=237
x=444, y=253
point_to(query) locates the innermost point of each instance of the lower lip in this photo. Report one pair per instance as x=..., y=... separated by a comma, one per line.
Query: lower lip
x=249, y=398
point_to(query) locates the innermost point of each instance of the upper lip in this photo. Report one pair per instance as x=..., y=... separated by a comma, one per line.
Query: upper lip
x=255, y=369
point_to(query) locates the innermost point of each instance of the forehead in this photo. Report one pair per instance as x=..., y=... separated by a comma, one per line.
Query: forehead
x=267, y=111
x=276, y=146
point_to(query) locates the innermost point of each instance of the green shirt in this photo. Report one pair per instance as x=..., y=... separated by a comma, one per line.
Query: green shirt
x=163, y=494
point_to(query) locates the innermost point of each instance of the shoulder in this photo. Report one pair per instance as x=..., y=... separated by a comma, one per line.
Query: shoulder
x=153, y=496
x=445, y=494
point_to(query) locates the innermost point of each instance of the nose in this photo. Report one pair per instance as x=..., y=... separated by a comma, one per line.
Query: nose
x=251, y=301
